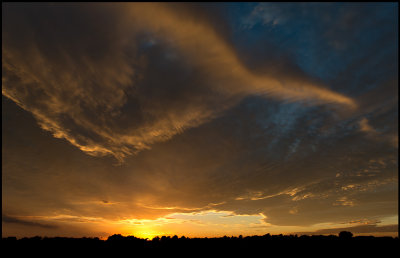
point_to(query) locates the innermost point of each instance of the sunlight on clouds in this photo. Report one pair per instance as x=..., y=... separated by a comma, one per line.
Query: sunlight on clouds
x=195, y=224
x=259, y=195
x=365, y=127
x=209, y=223
x=64, y=93
x=208, y=50
x=215, y=132
x=344, y=201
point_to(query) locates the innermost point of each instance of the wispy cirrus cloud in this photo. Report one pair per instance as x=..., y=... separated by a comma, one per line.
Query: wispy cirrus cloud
x=124, y=89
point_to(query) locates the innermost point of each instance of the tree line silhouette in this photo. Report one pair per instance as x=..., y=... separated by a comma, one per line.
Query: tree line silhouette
x=290, y=244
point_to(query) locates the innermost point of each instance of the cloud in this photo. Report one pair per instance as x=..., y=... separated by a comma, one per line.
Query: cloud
x=16, y=220
x=242, y=122
x=365, y=127
x=114, y=93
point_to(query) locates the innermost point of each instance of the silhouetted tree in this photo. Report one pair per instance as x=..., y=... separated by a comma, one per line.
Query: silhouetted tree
x=165, y=238
x=115, y=237
x=345, y=235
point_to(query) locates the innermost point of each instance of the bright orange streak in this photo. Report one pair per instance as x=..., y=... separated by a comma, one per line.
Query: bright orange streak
x=206, y=48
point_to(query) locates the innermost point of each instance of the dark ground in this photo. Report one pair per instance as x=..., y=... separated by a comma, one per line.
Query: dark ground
x=254, y=246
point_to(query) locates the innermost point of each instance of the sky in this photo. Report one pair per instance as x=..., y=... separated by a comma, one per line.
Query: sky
x=199, y=119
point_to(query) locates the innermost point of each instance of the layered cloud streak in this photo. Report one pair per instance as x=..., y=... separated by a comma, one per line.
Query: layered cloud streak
x=145, y=73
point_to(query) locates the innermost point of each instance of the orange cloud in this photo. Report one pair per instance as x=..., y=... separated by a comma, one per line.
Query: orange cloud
x=80, y=98
x=208, y=50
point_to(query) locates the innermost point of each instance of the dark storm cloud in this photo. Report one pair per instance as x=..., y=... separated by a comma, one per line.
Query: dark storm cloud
x=11, y=219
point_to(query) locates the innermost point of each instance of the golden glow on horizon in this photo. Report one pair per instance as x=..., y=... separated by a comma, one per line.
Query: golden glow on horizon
x=209, y=223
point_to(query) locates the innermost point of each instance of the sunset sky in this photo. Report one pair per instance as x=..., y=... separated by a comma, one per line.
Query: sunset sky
x=201, y=120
